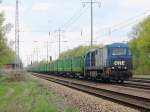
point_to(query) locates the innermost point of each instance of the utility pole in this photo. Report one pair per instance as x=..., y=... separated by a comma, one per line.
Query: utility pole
x=59, y=31
x=47, y=52
x=91, y=4
x=59, y=41
x=36, y=50
x=17, y=64
x=91, y=23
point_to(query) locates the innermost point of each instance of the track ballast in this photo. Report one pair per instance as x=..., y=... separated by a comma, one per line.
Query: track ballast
x=134, y=97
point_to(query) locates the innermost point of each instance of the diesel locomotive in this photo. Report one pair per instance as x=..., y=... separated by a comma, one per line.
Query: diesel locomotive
x=111, y=62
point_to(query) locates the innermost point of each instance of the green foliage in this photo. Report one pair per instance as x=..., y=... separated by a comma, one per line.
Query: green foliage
x=71, y=109
x=78, y=51
x=140, y=46
x=25, y=96
x=6, y=54
x=29, y=96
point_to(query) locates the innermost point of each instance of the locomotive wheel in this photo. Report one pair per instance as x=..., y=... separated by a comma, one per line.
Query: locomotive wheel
x=85, y=77
x=105, y=80
x=121, y=81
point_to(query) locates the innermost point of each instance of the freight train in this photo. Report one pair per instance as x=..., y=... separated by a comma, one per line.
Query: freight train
x=112, y=62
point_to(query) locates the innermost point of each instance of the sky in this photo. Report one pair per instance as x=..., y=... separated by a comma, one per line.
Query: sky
x=113, y=21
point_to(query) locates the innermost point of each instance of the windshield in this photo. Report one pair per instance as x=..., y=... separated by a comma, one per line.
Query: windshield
x=129, y=52
x=118, y=51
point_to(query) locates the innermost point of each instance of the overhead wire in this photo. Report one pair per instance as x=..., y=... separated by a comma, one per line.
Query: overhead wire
x=125, y=23
x=74, y=19
x=67, y=24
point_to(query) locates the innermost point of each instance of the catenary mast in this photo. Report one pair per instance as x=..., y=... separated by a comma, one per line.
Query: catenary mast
x=17, y=62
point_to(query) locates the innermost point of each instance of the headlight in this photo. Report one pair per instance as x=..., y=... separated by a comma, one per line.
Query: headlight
x=113, y=67
x=125, y=67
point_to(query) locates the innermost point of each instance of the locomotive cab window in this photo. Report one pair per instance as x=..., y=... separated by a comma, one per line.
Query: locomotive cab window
x=119, y=51
x=129, y=52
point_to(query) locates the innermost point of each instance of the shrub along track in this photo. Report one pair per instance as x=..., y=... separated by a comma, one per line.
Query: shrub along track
x=130, y=96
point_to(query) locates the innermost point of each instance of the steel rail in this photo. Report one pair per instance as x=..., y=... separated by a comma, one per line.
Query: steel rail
x=135, y=85
x=142, y=80
x=138, y=83
x=137, y=102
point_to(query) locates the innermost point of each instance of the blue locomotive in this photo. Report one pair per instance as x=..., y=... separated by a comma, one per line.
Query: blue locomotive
x=111, y=62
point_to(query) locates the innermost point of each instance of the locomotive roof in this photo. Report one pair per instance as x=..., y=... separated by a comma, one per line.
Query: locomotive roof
x=118, y=45
x=125, y=45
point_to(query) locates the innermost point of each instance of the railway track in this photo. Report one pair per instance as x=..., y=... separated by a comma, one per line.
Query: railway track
x=141, y=80
x=141, y=100
x=140, y=85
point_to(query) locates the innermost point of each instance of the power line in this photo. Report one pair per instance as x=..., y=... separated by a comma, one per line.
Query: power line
x=74, y=18
x=70, y=20
x=91, y=4
x=126, y=23
x=66, y=25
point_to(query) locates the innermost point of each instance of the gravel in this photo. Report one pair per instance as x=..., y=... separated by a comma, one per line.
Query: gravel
x=83, y=101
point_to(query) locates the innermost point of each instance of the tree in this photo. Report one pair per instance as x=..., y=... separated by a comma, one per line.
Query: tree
x=6, y=54
x=140, y=45
x=78, y=51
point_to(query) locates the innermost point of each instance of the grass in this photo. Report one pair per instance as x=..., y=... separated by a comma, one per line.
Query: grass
x=142, y=76
x=27, y=96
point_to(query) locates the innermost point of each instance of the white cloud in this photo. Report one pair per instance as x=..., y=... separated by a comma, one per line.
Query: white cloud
x=7, y=8
x=41, y=7
x=11, y=8
x=138, y=3
x=47, y=6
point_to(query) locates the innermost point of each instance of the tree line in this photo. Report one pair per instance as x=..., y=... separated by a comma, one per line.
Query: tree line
x=6, y=53
x=140, y=45
x=78, y=51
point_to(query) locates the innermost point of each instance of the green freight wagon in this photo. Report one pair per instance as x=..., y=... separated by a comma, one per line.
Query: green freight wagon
x=50, y=68
x=40, y=67
x=33, y=68
x=68, y=65
x=43, y=68
x=60, y=63
x=46, y=67
x=56, y=66
x=77, y=65
x=37, y=68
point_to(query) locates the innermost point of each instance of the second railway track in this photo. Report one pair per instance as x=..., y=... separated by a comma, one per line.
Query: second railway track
x=140, y=85
x=138, y=101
